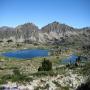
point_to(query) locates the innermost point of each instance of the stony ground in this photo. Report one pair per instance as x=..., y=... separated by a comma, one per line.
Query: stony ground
x=68, y=81
x=62, y=79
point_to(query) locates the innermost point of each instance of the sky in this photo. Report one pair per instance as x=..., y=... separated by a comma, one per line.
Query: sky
x=75, y=13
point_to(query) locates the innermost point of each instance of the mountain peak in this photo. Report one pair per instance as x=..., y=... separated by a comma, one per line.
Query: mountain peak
x=56, y=26
x=28, y=26
x=55, y=22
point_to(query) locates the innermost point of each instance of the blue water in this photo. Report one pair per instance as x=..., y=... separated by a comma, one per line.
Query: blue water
x=71, y=59
x=26, y=54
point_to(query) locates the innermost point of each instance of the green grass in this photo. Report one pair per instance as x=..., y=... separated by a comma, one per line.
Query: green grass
x=44, y=73
x=15, y=77
x=30, y=68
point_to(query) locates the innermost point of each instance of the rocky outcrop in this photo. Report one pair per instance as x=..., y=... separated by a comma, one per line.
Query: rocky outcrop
x=60, y=82
x=27, y=32
x=7, y=32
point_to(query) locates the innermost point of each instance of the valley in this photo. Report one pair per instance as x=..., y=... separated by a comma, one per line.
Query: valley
x=60, y=40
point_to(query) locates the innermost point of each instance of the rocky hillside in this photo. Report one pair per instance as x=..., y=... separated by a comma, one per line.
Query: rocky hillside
x=27, y=32
x=56, y=33
x=7, y=32
x=53, y=33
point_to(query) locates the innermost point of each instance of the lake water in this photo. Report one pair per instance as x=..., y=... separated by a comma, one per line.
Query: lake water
x=70, y=59
x=26, y=54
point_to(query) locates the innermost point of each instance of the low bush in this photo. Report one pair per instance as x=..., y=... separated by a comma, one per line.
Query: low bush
x=46, y=66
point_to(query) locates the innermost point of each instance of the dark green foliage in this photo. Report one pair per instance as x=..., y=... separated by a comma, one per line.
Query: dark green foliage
x=57, y=84
x=86, y=72
x=65, y=88
x=45, y=73
x=16, y=71
x=76, y=65
x=19, y=77
x=86, y=69
x=85, y=86
x=47, y=86
x=40, y=68
x=9, y=41
x=35, y=44
x=78, y=59
x=68, y=65
x=86, y=47
x=1, y=41
x=16, y=77
x=4, y=79
x=19, y=45
x=46, y=66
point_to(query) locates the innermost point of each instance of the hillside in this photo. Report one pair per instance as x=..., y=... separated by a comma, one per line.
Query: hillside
x=53, y=33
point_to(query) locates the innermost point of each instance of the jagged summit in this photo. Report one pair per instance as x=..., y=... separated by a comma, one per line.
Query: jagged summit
x=47, y=34
x=53, y=25
x=56, y=26
x=28, y=26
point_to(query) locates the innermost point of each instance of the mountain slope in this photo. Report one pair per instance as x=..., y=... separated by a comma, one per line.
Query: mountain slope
x=53, y=33
x=27, y=31
x=57, y=33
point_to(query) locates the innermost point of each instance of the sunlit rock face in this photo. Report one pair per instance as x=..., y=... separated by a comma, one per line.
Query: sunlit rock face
x=7, y=32
x=71, y=81
x=51, y=33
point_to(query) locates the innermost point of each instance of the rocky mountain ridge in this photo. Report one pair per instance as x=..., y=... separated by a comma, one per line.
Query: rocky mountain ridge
x=53, y=33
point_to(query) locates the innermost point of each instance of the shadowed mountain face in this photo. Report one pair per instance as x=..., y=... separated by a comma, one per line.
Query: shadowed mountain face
x=53, y=33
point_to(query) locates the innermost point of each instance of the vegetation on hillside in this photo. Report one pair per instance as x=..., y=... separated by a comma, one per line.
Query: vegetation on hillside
x=46, y=66
x=86, y=72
